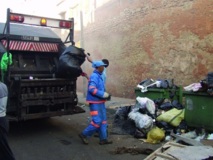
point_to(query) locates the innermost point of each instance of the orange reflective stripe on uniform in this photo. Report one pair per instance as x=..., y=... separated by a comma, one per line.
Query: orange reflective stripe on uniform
x=104, y=122
x=95, y=91
x=93, y=113
x=90, y=87
x=96, y=102
x=95, y=125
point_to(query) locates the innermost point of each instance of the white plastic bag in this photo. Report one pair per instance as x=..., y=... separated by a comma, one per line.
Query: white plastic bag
x=142, y=121
x=146, y=103
x=193, y=87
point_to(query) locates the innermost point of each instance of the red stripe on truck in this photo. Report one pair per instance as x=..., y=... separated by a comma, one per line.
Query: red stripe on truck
x=31, y=46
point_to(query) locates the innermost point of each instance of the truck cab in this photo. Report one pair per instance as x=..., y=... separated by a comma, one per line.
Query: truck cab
x=31, y=51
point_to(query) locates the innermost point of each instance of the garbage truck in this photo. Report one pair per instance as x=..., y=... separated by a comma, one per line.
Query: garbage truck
x=30, y=53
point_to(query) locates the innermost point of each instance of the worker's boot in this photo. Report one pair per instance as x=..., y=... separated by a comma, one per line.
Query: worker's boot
x=105, y=141
x=83, y=138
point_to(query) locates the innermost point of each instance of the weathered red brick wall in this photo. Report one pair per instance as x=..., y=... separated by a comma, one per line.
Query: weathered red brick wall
x=152, y=39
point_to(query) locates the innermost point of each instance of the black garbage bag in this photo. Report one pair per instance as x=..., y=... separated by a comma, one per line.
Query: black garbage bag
x=177, y=105
x=183, y=125
x=158, y=101
x=210, y=91
x=182, y=128
x=209, y=79
x=165, y=126
x=204, y=85
x=122, y=125
x=139, y=134
x=166, y=83
x=166, y=106
x=122, y=112
x=70, y=62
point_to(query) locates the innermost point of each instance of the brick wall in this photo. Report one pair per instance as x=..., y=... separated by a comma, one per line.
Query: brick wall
x=151, y=39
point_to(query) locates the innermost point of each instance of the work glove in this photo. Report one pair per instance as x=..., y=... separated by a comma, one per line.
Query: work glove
x=107, y=96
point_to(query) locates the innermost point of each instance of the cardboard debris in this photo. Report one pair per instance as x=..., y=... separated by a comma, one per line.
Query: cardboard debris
x=174, y=151
x=192, y=152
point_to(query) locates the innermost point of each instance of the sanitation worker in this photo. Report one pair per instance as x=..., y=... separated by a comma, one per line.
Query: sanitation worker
x=5, y=151
x=96, y=97
x=106, y=61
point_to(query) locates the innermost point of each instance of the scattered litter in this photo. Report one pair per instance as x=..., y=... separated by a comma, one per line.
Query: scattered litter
x=191, y=135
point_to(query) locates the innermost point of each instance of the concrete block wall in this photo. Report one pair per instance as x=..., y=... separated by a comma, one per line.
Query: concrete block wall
x=151, y=39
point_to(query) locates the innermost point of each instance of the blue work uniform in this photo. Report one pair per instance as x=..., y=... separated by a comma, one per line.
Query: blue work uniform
x=95, y=93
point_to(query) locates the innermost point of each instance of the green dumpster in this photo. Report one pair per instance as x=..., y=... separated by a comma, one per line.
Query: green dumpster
x=198, y=110
x=155, y=93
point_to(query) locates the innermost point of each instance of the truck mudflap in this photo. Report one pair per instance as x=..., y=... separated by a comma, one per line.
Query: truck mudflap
x=42, y=98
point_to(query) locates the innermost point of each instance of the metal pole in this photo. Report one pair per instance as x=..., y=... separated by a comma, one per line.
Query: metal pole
x=8, y=45
x=82, y=46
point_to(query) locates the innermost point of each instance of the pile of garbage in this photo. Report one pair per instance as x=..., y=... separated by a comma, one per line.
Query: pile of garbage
x=150, y=119
x=155, y=119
